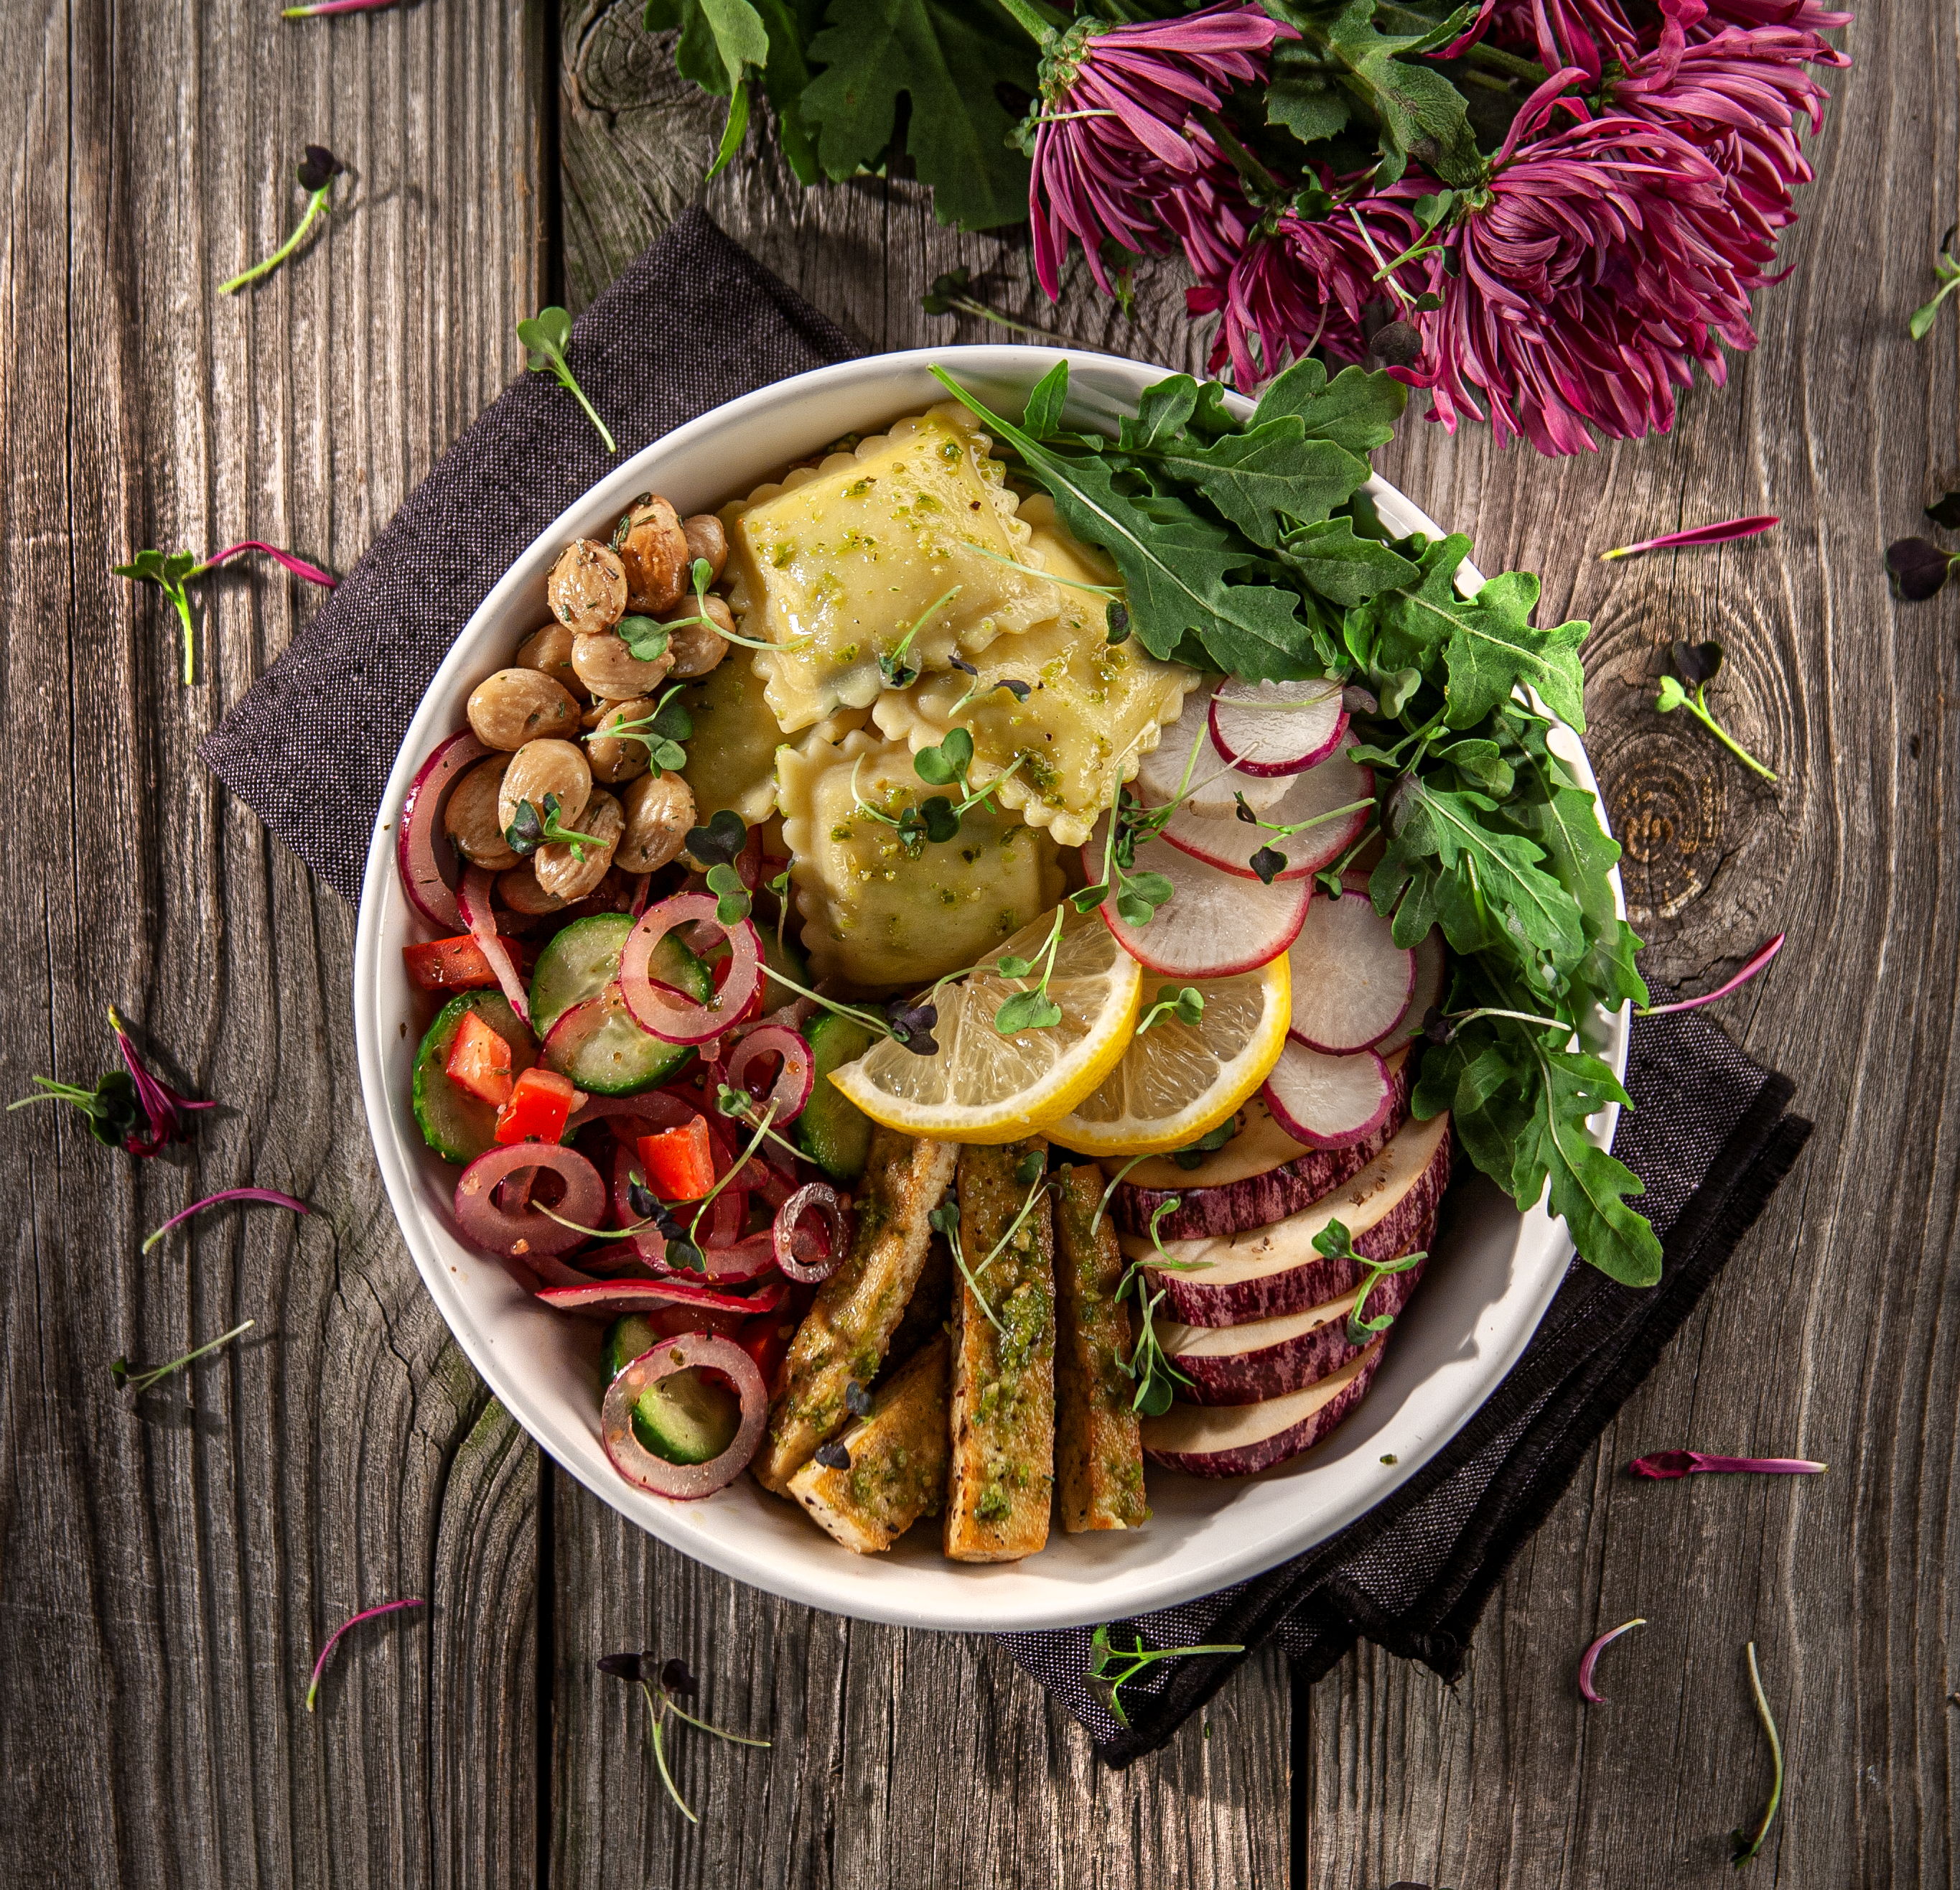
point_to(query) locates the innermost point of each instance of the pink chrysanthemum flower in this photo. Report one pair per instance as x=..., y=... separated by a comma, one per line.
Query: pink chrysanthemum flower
x=1599, y=268
x=1804, y=16
x=1583, y=33
x=1117, y=132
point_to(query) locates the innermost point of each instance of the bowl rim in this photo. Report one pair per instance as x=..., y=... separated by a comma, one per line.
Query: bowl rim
x=795, y=1579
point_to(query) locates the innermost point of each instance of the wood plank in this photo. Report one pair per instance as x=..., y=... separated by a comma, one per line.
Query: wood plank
x=172, y=1564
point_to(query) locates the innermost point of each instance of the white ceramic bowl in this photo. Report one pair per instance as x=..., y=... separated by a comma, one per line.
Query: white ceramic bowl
x=1481, y=1299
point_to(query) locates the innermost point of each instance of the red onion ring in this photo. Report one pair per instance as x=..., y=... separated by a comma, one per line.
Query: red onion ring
x=473, y=900
x=419, y=845
x=605, y=1297
x=638, y=1465
x=720, y=1244
x=828, y=1202
x=793, y=1081
x=529, y=1234
x=680, y=1020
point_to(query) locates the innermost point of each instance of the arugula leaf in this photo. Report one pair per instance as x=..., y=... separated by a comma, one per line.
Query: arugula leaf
x=1356, y=409
x=1343, y=568
x=946, y=59
x=721, y=40
x=1050, y=395
x=1257, y=478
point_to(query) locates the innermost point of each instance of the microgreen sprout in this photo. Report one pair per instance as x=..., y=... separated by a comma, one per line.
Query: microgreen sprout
x=1725, y=534
x=661, y=731
x=1268, y=863
x=1439, y=1028
x=700, y=575
x=529, y=829
x=545, y=335
x=1946, y=273
x=1756, y=961
x=665, y=1686
x=130, y=1109
x=1918, y=568
x=271, y=1197
x=1112, y=591
x=681, y=1251
x=128, y=1379
x=1014, y=686
x=1334, y=1242
x=316, y=172
x=1109, y=1192
x=899, y=674
x=646, y=638
x=333, y=1641
x=1193, y=1154
x=734, y=1167
x=952, y=293
x=742, y=1107
x=1112, y=1668
x=950, y=763
x=944, y=1220
x=1138, y=894
x=716, y=847
x=1186, y=1006
x=1664, y=1464
x=1748, y=1844
x=1030, y=1010
x=907, y=1024
x=172, y=572
x=916, y=822
x=1157, y=1378
x=1696, y=666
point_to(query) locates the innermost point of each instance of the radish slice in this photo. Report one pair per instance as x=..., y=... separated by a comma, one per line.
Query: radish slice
x=609, y=1297
x=797, y=1252
x=1277, y=728
x=473, y=899
x=1431, y=968
x=793, y=1081
x=420, y=845
x=1161, y=774
x=661, y=1010
x=1214, y=924
x=1328, y=1102
x=638, y=1465
x=1351, y=981
x=529, y=1232
x=1335, y=782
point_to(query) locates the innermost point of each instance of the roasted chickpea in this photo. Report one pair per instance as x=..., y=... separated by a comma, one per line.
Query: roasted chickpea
x=655, y=553
x=549, y=651
x=560, y=870
x=543, y=768
x=608, y=668
x=695, y=648
x=517, y=706
x=660, y=810
x=614, y=761
x=708, y=538
x=519, y=890
x=588, y=587
x=469, y=816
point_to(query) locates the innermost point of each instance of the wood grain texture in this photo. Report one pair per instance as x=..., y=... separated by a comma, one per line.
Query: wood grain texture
x=171, y=1563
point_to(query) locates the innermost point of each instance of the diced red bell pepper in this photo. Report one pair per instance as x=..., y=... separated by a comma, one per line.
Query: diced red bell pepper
x=541, y=1101
x=458, y=964
x=766, y=1339
x=480, y=1061
x=679, y=1162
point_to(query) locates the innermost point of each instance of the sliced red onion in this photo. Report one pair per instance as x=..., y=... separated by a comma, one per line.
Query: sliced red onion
x=1688, y=1463
x=1590, y=1658
x=473, y=900
x=642, y=884
x=420, y=846
x=721, y=1230
x=529, y=1234
x=685, y=1352
x=667, y=1016
x=609, y=1297
x=658, y=1109
x=793, y=1081
x=787, y=1235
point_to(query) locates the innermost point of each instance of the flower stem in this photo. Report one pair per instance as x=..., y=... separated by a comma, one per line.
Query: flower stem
x=1029, y=21
x=315, y=204
x=180, y=603
x=1747, y=1846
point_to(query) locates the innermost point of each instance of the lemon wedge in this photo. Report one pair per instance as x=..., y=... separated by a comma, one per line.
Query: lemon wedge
x=1177, y=1081
x=982, y=1086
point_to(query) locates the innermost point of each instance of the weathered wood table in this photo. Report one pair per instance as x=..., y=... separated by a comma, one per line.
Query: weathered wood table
x=167, y=1568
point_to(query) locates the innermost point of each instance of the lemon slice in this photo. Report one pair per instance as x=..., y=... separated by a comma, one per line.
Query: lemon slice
x=983, y=1087
x=1177, y=1081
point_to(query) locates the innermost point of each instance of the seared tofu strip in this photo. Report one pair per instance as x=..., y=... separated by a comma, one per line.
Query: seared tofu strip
x=845, y=1334
x=1098, y=1455
x=1003, y=1470
x=927, y=1311
x=896, y=1468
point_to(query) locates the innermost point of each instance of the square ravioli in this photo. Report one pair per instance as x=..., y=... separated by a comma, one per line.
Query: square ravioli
x=879, y=909
x=731, y=755
x=837, y=563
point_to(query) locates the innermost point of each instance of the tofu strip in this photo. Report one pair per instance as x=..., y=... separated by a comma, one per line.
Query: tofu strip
x=845, y=1334
x=1099, y=1453
x=897, y=1472
x=1003, y=1468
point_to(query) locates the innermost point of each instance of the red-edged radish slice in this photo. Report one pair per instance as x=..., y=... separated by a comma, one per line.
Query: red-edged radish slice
x=421, y=846
x=1351, y=981
x=1432, y=968
x=1266, y=729
x=528, y=1232
x=686, y=1352
x=1230, y=843
x=669, y=1014
x=472, y=899
x=1187, y=760
x=1328, y=1102
x=1214, y=925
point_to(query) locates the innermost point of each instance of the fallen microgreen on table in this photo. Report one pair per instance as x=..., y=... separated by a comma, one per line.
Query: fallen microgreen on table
x=665, y=1685
x=1111, y=1668
x=316, y=172
x=546, y=335
x=127, y=1378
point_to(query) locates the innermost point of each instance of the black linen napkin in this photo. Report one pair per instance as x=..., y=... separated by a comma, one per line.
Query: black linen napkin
x=1710, y=1135
x=310, y=752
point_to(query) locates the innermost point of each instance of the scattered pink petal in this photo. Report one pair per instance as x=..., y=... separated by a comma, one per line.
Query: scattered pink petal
x=1590, y=1658
x=162, y=1105
x=271, y=1196
x=297, y=566
x=320, y=7
x=333, y=1640
x=1722, y=534
x=1687, y=1463
x=1764, y=954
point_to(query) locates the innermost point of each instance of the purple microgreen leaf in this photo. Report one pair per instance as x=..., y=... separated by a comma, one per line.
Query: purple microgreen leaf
x=1919, y=570
x=1697, y=664
x=911, y=1025
x=833, y=1456
x=629, y=1667
x=1760, y=958
x=333, y=1640
x=271, y=1196
x=717, y=843
x=1589, y=1659
x=676, y=1678
x=856, y=1399
x=1116, y=623
x=1268, y=863
x=317, y=168
x=1397, y=345
x=1687, y=1463
x=1944, y=512
x=1724, y=533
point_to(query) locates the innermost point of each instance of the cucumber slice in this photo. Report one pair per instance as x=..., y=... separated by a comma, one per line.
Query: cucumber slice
x=785, y=956
x=832, y=1130
x=453, y=1122
x=626, y=1338
x=584, y=958
x=686, y=1418
x=597, y=1045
